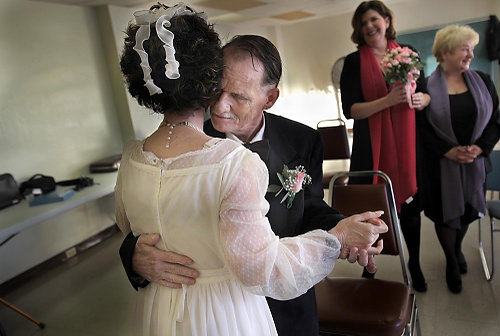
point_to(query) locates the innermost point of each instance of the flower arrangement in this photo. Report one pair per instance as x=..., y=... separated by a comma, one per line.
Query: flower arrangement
x=401, y=65
x=292, y=181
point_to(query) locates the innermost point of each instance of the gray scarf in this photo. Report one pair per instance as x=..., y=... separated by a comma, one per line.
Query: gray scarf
x=460, y=183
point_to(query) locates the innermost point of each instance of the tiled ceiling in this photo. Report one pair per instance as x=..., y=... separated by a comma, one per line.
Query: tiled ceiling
x=255, y=12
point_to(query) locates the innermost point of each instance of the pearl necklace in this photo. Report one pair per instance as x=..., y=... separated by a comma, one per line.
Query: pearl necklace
x=180, y=123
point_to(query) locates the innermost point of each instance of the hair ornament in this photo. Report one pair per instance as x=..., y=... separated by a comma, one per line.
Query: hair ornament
x=162, y=18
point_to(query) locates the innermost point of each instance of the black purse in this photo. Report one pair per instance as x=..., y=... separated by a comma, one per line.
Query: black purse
x=9, y=191
x=39, y=181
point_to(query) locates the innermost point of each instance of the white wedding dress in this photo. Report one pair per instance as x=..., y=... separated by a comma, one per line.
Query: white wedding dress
x=209, y=205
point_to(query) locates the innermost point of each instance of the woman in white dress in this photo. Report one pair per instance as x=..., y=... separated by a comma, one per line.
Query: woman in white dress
x=205, y=196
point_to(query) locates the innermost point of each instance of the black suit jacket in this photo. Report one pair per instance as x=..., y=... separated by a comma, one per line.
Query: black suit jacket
x=291, y=144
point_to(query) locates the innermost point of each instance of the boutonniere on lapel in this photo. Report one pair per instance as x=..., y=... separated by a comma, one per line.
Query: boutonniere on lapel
x=292, y=181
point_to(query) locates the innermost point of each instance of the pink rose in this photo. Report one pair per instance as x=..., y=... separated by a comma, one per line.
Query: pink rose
x=297, y=185
x=395, y=62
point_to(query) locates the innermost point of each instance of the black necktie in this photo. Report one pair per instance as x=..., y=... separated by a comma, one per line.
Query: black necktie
x=260, y=147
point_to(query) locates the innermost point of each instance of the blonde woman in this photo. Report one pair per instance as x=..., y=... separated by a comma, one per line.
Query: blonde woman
x=461, y=130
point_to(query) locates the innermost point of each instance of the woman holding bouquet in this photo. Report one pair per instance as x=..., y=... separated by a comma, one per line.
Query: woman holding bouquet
x=384, y=124
x=460, y=131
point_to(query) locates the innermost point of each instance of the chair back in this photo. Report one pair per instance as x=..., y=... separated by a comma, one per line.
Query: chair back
x=335, y=141
x=351, y=199
x=493, y=177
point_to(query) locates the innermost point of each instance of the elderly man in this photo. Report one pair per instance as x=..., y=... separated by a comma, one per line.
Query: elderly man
x=251, y=75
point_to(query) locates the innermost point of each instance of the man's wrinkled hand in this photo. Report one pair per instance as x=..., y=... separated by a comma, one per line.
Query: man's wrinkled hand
x=166, y=268
x=361, y=230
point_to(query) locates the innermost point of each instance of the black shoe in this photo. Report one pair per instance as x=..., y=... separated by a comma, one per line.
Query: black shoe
x=462, y=264
x=453, y=279
x=367, y=275
x=417, y=277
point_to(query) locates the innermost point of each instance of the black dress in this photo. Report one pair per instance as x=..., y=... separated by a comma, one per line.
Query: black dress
x=463, y=118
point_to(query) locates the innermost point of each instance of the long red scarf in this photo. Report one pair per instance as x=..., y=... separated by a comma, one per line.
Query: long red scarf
x=392, y=130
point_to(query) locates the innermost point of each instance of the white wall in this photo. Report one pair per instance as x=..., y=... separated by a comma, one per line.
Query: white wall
x=309, y=50
x=56, y=116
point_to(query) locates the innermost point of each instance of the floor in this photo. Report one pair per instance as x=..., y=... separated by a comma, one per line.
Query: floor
x=89, y=295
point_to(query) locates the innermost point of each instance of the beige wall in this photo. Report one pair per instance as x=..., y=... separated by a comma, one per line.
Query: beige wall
x=56, y=116
x=309, y=50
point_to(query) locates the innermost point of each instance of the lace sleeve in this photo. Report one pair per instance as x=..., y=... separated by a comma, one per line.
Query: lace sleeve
x=121, y=216
x=278, y=268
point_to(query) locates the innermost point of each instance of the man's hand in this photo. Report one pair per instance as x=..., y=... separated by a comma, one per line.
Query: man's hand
x=162, y=267
x=361, y=230
x=360, y=252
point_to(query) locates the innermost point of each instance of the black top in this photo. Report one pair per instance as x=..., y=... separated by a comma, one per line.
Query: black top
x=352, y=93
x=434, y=148
x=463, y=117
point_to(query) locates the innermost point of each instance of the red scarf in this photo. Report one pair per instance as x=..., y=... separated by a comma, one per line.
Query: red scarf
x=392, y=130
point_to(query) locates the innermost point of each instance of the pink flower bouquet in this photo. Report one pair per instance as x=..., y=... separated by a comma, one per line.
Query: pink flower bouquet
x=402, y=65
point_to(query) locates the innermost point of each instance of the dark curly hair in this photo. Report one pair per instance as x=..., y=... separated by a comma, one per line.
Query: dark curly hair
x=379, y=7
x=198, y=51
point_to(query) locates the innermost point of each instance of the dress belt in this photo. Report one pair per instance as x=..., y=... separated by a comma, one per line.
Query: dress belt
x=206, y=277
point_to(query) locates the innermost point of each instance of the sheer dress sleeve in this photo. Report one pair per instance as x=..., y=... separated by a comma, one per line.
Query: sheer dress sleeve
x=121, y=217
x=279, y=268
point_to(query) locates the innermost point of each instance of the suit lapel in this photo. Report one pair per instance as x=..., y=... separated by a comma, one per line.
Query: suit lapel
x=280, y=152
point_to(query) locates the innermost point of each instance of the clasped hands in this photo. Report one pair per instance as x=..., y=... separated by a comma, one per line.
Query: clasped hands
x=357, y=234
x=464, y=154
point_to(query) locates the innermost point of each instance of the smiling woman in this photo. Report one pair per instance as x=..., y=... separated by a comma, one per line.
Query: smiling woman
x=459, y=132
x=383, y=120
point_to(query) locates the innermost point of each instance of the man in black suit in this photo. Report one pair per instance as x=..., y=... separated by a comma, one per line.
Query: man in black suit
x=252, y=70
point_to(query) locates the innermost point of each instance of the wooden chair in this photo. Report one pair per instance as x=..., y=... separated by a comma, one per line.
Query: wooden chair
x=362, y=306
x=335, y=142
x=493, y=208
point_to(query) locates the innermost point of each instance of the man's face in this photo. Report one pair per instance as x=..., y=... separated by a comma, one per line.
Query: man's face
x=244, y=97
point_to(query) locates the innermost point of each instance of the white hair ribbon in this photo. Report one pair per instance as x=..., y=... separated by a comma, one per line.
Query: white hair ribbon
x=162, y=16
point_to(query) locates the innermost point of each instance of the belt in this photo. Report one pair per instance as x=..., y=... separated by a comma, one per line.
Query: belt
x=206, y=277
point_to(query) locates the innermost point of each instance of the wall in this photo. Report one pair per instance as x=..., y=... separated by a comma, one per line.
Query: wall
x=309, y=50
x=56, y=116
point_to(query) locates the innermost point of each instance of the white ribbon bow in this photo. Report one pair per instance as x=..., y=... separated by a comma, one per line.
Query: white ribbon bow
x=162, y=17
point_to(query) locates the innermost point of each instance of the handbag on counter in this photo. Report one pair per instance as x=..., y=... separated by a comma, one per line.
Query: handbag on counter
x=106, y=165
x=9, y=191
x=48, y=184
x=39, y=181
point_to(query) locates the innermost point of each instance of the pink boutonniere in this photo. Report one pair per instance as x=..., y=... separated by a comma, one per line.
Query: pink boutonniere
x=292, y=181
